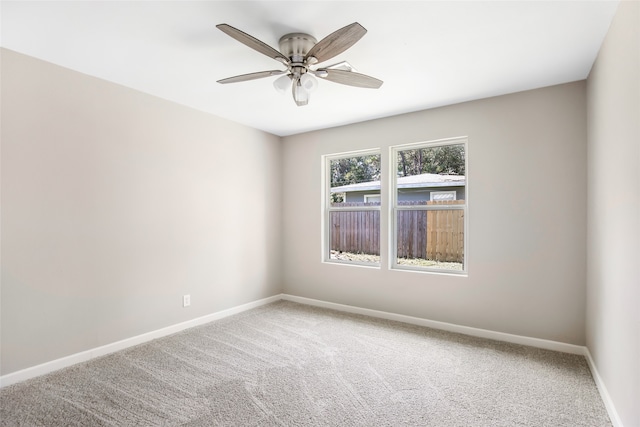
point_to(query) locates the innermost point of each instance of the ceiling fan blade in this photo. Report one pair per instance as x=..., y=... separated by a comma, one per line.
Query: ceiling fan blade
x=251, y=76
x=337, y=42
x=349, y=78
x=253, y=43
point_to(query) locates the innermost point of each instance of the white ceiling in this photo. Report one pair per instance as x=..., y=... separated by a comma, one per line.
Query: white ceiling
x=428, y=53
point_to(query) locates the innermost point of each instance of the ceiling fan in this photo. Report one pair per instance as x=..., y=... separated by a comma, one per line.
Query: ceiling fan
x=299, y=52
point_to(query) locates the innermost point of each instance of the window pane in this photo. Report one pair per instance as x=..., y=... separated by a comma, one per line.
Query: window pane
x=431, y=174
x=432, y=239
x=355, y=236
x=353, y=178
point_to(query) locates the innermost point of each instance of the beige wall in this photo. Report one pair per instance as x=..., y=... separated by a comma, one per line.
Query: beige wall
x=115, y=204
x=527, y=219
x=613, y=296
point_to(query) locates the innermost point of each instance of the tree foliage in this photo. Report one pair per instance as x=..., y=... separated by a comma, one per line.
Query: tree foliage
x=443, y=160
x=353, y=170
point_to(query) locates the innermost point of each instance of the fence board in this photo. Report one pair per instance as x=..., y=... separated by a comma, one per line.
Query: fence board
x=436, y=234
x=445, y=233
x=355, y=231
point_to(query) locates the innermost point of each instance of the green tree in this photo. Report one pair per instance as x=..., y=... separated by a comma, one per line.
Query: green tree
x=443, y=160
x=353, y=170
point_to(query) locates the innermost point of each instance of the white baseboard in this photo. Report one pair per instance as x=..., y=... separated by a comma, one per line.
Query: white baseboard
x=476, y=332
x=482, y=333
x=84, y=356
x=606, y=398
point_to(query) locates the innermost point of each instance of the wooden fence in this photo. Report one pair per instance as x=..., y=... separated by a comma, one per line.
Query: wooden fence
x=435, y=235
x=355, y=231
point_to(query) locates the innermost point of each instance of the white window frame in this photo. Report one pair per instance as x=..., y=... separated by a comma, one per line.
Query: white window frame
x=327, y=208
x=394, y=207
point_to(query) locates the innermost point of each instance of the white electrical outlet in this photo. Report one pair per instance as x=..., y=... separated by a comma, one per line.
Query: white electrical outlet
x=186, y=300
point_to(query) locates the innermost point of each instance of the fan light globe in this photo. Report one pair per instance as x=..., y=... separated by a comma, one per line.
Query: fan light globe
x=300, y=96
x=282, y=84
x=308, y=82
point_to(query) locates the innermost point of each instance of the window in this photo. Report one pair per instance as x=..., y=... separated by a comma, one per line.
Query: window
x=352, y=218
x=372, y=198
x=428, y=232
x=427, y=207
x=437, y=196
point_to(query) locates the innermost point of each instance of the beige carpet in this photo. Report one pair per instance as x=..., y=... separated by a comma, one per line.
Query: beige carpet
x=287, y=364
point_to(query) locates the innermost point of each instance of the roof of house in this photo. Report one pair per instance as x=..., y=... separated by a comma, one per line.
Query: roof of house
x=425, y=180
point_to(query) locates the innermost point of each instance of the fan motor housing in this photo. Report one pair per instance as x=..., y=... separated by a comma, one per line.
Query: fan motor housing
x=295, y=46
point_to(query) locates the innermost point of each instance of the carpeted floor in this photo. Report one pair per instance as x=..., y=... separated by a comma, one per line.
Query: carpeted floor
x=286, y=364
